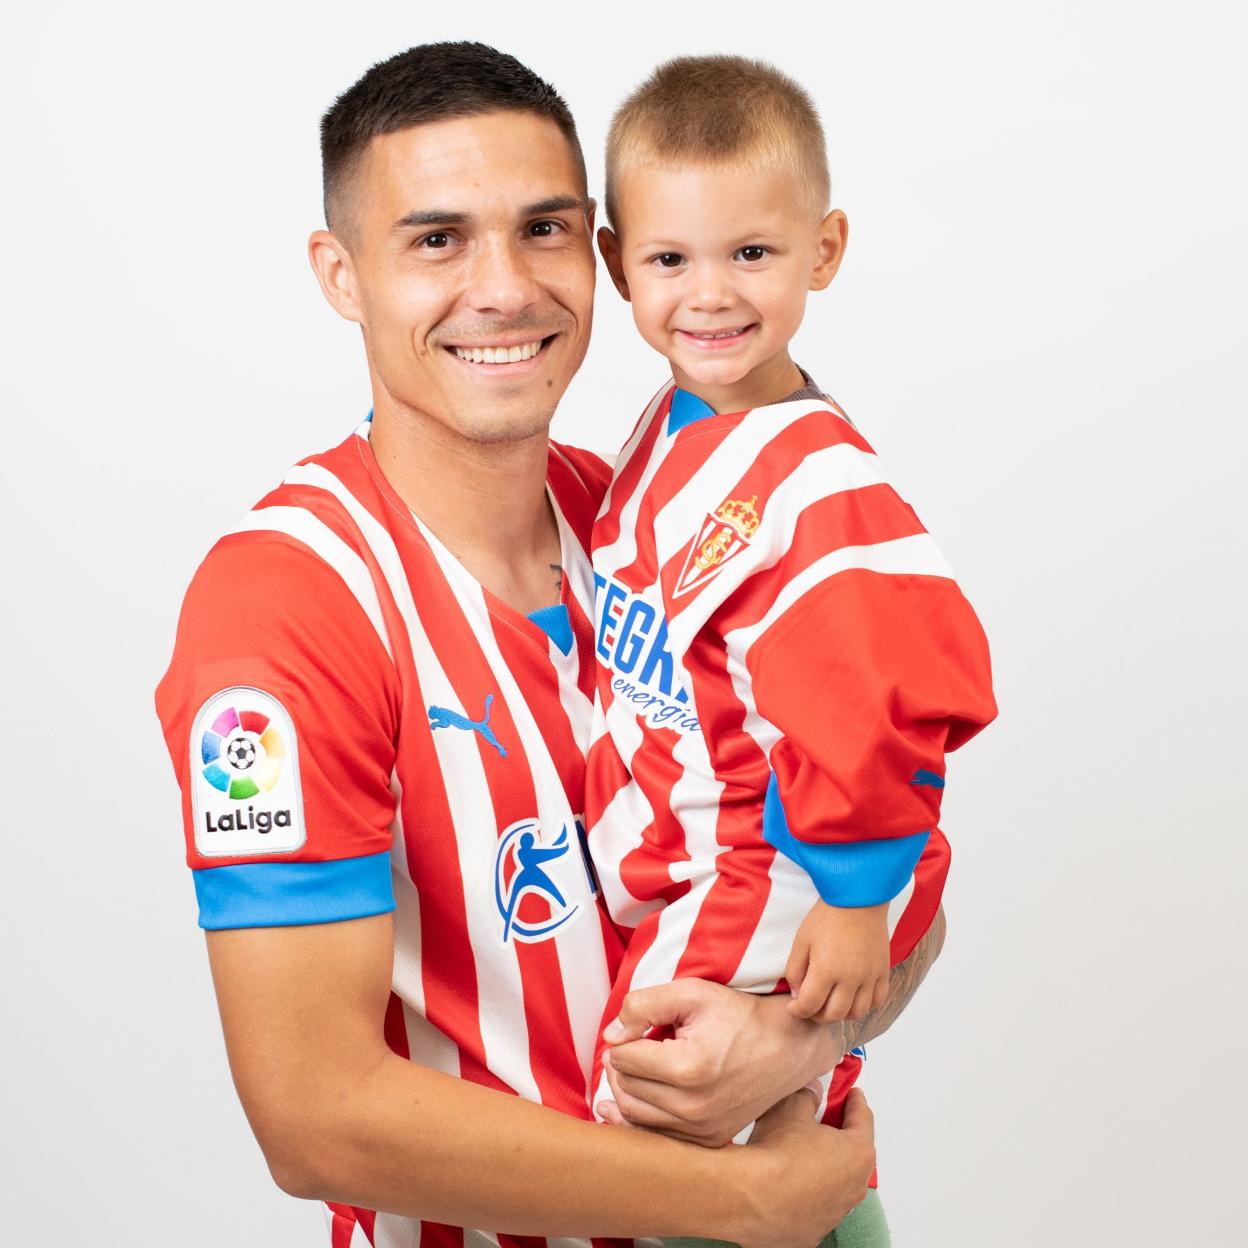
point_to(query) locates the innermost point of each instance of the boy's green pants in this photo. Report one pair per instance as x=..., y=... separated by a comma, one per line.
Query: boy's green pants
x=863, y=1227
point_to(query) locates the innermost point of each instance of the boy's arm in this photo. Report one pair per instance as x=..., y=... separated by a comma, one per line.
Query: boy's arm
x=340, y=1117
x=735, y=1054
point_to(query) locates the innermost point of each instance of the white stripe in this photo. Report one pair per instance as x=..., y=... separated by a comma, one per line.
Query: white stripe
x=301, y=524
x=499, y=987
x=916, y=554
x=392, y=1231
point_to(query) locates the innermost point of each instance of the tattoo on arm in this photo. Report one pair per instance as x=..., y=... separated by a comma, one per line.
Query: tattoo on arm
x=904, y=982
x=558, y=571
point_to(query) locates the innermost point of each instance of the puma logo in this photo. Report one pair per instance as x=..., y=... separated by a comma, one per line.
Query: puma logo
x=440, y=717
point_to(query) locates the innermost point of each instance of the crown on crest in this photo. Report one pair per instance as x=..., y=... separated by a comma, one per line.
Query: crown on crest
x=743, y=517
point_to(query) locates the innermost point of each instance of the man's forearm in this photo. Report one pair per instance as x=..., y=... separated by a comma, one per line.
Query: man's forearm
x=903, y=983
x=836, y=1039
x=423, y=1144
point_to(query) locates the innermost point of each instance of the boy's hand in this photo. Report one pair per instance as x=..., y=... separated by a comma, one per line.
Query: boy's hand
x=838, y=967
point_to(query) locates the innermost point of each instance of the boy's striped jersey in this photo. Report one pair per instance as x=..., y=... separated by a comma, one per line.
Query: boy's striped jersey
x=784, y=659
x=358, y=727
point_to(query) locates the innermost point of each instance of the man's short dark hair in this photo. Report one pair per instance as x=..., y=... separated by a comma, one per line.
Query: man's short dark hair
x=432, y=82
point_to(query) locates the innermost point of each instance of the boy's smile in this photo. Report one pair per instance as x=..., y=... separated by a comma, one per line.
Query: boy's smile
x=716, y=261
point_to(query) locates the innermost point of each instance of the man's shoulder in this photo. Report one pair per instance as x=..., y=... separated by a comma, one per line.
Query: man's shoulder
x=579, y=479
x=302, y=547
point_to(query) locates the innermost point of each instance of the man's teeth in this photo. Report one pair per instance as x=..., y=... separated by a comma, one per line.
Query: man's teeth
x=499, y=355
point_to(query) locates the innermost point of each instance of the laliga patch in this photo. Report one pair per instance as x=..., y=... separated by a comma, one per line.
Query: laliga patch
x=245, y=794
x=724, y=534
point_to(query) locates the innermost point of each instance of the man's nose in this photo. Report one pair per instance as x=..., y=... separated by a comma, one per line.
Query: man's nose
x=500, y=280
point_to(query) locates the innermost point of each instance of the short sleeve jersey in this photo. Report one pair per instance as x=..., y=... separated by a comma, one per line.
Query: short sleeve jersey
x=357, y=727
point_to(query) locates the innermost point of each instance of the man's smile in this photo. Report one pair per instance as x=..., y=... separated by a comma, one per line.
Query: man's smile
x=496, y=353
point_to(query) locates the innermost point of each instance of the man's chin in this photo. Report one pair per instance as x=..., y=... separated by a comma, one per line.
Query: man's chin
x=501, y=427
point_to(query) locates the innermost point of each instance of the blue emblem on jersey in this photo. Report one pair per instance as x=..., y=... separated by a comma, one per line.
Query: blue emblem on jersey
x=928, y=778
x=520, y=871
x=440, y=717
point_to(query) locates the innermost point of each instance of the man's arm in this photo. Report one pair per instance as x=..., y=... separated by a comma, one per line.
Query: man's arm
x=340, y=1117
x=734, y=1054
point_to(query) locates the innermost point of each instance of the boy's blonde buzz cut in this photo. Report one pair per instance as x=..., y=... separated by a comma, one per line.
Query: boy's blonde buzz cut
x=720, y=110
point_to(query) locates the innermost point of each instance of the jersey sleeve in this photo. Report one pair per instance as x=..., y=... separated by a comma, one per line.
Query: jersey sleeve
x=279, y=710
x=871, y=666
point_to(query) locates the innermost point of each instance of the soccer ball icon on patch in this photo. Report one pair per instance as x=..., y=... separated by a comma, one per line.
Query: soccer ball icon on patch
x=241, y=753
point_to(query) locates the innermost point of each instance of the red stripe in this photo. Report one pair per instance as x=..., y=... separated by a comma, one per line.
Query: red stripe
x=395, y=1028
x=607, y=530
x=924, y=901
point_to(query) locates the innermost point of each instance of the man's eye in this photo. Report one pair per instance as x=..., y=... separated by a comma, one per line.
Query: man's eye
x=545, y=229
x=435, y=241
x=669, y=259
x=752, y=253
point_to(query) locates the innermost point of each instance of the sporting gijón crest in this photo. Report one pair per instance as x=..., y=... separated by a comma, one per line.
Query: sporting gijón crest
x=724, y=534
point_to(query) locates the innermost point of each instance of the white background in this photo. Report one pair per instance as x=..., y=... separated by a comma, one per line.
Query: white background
x=1039, y=325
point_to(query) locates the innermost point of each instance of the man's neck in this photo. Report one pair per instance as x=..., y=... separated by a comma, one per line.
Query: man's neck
x=486, y=502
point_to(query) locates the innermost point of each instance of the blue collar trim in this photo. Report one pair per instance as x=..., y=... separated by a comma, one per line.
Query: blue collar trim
x=686, y=408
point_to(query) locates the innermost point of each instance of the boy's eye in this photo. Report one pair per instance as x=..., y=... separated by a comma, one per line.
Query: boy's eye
x=752, y=253
x=669, y=259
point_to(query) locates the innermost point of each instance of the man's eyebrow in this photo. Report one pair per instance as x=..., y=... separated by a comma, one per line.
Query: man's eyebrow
x=556, y=203
x=431, y=216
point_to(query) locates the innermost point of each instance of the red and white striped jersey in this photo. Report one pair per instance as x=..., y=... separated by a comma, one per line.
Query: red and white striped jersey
x=784, y=659
x=357, y=727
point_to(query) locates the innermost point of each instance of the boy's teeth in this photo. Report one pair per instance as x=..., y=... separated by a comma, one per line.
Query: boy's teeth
x=726, y=333
x=499, y=355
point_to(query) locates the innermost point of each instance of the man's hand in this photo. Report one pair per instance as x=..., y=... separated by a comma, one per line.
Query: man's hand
x=733, y=1057
x=817, y=1174
x=734, y=1054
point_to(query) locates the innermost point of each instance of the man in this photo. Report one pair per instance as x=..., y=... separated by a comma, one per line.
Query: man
x=378, y=708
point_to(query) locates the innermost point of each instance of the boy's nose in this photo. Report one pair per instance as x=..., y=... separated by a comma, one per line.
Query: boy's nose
x=711, y=291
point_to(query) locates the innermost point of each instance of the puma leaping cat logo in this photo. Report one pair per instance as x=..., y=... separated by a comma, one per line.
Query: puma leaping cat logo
x=440, y=717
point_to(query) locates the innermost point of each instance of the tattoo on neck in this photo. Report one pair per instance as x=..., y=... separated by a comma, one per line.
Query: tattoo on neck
x=558, y=571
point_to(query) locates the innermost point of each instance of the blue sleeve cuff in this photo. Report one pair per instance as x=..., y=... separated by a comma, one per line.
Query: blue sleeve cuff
x=847, y=874
x=288, y=894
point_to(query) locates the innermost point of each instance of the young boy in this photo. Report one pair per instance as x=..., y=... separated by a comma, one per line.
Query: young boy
x=784, y=657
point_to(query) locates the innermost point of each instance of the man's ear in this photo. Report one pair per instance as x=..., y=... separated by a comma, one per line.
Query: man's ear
x=609, y=245
x=832, y=235
x=334, y=269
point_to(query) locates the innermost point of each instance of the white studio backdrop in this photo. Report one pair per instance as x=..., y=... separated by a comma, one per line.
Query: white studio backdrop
x=1040, y=326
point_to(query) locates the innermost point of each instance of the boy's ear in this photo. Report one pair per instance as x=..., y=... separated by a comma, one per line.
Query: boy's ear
x=609, y=245
x=831, y=236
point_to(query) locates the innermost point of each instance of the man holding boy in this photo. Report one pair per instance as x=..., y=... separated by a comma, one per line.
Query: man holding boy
x=382, y=763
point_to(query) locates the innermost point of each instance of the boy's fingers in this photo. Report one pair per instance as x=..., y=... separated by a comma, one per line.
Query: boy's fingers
x=881, y=994
x=862, y=1002
x=840, y=1000
x=795, y=968
x=809, y=997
